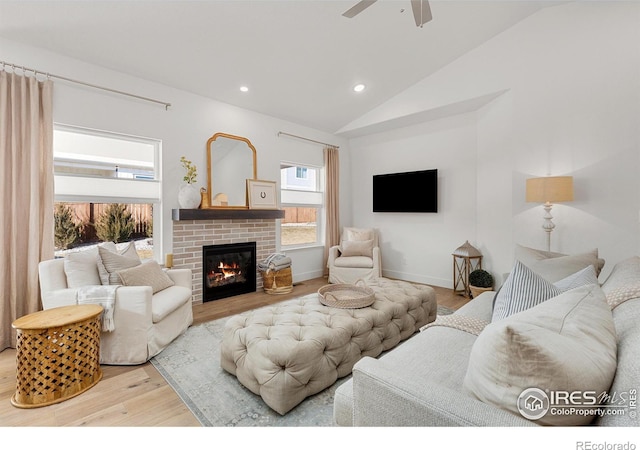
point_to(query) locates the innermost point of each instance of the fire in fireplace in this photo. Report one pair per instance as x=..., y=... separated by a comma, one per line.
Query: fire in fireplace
x=228, y=270
x=225, y=274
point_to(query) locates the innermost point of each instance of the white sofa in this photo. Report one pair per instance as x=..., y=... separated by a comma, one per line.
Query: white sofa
x=423, y=381
x=145, y=323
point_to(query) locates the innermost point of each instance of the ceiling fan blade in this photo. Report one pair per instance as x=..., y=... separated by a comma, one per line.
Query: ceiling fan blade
x=421, y=12
x=358, y=8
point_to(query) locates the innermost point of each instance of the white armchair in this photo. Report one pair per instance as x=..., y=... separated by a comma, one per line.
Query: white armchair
x=357, y=257
x=145, y=323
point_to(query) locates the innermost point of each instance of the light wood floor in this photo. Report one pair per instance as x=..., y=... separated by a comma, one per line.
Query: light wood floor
x=138, y=395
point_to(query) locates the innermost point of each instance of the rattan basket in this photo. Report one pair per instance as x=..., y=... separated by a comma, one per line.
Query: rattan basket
x=277, y=281
x=348, y=296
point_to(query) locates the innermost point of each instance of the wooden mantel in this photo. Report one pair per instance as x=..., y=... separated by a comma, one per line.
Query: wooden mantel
x=215, y=214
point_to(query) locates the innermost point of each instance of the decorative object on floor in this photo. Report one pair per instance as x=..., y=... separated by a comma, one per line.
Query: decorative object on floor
x=189, y=195
x=191, y=366
x=466, y=259
x=548, y=190
x=230, y=161
x=479, y=282
x=347, y=296
x=58, y=354
x=277, y=281
x=276, y=274
x=294, y=349
x=262, y=194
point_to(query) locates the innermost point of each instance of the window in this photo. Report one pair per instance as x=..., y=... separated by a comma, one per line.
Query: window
x=302, y=201
x=301, y=172
x=90, y=163
x=103, y=177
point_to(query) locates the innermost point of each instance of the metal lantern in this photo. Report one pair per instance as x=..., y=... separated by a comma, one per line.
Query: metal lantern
x=466, y=259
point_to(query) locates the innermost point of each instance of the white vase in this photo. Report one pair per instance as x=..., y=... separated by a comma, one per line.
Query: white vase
x=189, y=196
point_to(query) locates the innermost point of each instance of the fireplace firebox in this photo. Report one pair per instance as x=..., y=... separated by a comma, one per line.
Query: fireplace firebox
x=228, y=270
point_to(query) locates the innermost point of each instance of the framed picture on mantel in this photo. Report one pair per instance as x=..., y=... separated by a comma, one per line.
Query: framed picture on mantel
x=262, y=194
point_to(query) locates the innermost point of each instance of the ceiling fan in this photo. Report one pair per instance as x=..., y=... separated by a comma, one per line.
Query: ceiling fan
x=421, y=10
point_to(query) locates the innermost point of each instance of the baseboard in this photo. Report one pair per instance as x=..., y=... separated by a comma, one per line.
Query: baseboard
x=300, y=277
x=417, y=278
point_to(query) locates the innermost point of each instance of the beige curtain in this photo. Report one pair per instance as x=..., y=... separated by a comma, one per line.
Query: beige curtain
x=332, y=191
x=26, y=195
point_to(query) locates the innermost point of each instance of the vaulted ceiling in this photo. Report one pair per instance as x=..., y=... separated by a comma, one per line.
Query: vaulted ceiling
x=299, y=59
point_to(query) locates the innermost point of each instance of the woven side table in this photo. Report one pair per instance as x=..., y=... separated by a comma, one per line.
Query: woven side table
x=57, y=354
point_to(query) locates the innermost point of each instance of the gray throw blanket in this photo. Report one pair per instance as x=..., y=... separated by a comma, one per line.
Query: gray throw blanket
x=103, y=295
x=276, y=262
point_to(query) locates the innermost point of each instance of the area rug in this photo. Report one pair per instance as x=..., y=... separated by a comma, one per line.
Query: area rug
x=191, y=366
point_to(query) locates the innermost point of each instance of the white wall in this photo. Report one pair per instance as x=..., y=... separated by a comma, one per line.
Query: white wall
x=571, y=106
x=184, y=130
x=569, y=78
x=418, y=246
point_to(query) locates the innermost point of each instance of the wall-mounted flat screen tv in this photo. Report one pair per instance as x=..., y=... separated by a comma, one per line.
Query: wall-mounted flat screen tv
x=412, y=192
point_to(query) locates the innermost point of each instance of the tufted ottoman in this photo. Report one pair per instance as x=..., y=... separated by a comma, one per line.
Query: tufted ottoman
x=297, y=348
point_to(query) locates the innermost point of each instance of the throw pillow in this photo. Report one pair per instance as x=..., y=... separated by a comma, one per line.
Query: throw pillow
x=556, y=266
x=580, y=278
x=624, y=282
x=358, y=234
x=357, y=248
x=522, y=290
x=104, y=275
x=114, y=262
x=81, y=268
x=567, y=343
x=146, y=274
x=624, y=273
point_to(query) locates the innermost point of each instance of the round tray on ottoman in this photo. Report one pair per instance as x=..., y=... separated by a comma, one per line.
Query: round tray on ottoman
x=346, y=296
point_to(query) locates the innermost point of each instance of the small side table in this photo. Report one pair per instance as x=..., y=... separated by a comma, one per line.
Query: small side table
x=57, y=354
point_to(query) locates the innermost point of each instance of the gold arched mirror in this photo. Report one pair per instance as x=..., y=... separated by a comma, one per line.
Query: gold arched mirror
x=231, y=160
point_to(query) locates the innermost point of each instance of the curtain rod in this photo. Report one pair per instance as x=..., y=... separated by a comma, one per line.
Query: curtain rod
x=70, y=80
x=306, y=139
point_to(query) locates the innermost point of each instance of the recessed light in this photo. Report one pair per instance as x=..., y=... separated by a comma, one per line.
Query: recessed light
x=358, y=87
x=244, y=89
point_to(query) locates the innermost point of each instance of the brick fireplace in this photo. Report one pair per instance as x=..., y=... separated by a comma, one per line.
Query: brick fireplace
x=195, y=228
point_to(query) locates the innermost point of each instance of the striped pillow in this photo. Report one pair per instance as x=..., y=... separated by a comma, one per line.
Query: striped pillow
x=580, y=278
x=522, y=290
x=114, y=262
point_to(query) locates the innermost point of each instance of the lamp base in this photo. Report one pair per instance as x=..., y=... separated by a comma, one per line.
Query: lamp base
x=548, y=225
